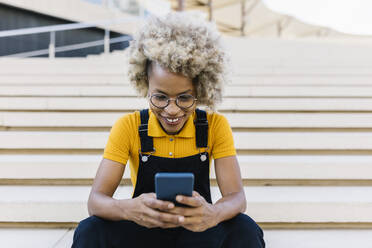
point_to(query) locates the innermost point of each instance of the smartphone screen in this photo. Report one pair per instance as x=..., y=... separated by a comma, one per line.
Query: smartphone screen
x=169, y=185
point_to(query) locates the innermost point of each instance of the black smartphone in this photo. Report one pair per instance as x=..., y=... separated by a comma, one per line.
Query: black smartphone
x=169, y=185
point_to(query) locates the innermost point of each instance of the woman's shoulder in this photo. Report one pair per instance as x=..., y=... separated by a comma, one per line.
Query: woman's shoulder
x=216, y=119
x=129, y=120
x=214, y=115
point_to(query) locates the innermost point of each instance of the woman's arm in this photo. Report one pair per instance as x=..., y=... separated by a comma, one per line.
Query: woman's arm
x=145, y=209
x=107, y=179
x=229, y=181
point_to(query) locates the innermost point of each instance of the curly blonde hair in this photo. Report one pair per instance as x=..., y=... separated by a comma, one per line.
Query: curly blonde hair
x=184, y=44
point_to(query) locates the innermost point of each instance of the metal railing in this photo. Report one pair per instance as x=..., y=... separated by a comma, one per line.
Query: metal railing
x=52, y=49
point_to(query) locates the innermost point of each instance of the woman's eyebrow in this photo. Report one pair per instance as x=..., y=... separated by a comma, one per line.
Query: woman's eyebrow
x=187, y=91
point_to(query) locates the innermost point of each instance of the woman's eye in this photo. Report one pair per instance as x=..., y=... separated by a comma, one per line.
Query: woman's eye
x=161, y=97
x=185, y=98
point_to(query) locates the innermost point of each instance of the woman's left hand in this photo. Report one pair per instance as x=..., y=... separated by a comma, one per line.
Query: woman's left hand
x=200, y=216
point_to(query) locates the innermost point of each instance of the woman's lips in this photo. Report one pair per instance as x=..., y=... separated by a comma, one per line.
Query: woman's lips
x=172, y=121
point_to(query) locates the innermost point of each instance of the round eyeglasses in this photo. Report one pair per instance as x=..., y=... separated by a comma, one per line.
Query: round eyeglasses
x=183, y=101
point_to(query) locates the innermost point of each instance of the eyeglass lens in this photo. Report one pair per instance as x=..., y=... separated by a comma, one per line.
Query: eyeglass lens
x=182, y=101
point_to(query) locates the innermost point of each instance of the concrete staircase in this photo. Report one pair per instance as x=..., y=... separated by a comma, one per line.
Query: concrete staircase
x=302, y=122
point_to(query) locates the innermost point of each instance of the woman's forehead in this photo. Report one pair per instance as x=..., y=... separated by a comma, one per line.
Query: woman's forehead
x=167, y=82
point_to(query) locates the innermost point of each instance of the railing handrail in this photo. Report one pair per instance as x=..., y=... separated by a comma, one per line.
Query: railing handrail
x=62, y=27
x=68, y=47
x=52, y=29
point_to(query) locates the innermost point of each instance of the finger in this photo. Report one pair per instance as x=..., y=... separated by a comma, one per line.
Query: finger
x=158, y=204
x=168, y=225
x=195, y=194
x=163, y=217
x=190, y=201
x=193, y=220
x=170, y=218
x=152, y=195
x=185, y=211
x=193, y=228
x=150, y=222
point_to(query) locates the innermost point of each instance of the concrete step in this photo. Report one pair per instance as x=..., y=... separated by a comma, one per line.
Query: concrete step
x=62, y=238
x=82, y=68
x=238, y=78
x=251, y=70
x=318, y=238
x=105, y=120
x=277, y=52
x=233, y=90
x=66, y=68
x=265, y=204
x=42, y=238
x=244, y=141
x=228, y=104
x=253, y=167
x=64, y=61
x=300, y=50
x=299, y=80
x=99, y=79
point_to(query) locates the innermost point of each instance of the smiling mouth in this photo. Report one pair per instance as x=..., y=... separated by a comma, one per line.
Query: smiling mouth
x=172, y=121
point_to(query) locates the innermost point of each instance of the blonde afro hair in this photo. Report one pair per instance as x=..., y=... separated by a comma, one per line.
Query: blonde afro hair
x=184, y=44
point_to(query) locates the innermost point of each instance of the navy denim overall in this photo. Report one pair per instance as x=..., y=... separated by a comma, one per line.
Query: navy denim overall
x=238, y=232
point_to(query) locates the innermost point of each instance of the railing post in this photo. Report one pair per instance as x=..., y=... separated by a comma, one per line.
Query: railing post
x=210, y=6
x=141, y=11
x=243, y=16
x=107, y=41
x=181, y=5
x=52, y=45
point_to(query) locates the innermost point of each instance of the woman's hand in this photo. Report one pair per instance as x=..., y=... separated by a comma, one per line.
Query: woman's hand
x=146, y=210
x=199, y=217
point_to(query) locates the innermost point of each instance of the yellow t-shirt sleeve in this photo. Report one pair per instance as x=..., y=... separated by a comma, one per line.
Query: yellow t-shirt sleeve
x=119, y=142
x=222, y=137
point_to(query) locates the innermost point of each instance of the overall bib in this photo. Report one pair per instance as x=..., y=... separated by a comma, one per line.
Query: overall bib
x=197, y=164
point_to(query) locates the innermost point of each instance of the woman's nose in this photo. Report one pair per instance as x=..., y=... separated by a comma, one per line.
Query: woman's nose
x=172, y=108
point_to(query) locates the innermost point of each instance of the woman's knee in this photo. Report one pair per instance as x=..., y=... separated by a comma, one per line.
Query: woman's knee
x=89, y=230
x=90, y=225
x=243, y=221
x=242, y=227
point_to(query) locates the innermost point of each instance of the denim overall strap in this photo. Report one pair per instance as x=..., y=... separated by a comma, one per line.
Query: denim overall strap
x=201, y=128
x=147, y=144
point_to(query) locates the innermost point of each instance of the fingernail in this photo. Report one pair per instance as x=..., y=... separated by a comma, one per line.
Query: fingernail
x=179, y=198
x=181, y=219
x=170, y=205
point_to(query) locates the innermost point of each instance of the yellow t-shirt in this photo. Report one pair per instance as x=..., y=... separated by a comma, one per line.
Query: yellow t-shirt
x=124, y=141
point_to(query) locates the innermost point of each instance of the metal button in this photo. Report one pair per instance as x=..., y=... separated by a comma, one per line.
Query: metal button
x=170, y=154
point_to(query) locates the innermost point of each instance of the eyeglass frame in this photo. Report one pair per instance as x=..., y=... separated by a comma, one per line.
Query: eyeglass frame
x=172, y=99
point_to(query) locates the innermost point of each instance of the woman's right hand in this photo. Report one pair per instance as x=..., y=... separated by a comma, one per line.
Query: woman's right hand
x=146, y=210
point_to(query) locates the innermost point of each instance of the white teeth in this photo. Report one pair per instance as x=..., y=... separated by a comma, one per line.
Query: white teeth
x=172, y=120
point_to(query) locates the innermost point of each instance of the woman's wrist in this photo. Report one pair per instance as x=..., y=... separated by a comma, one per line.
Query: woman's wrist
x=229, y=206
x=217, y=213
x=123, y=207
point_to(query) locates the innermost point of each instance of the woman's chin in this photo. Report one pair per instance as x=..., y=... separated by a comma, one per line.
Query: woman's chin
x=172, y=129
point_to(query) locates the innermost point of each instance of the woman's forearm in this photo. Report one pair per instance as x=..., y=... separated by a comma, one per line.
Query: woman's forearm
x=107, y=207
x=230, y=205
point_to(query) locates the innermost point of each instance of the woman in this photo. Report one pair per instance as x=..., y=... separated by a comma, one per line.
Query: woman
x=177, y=63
